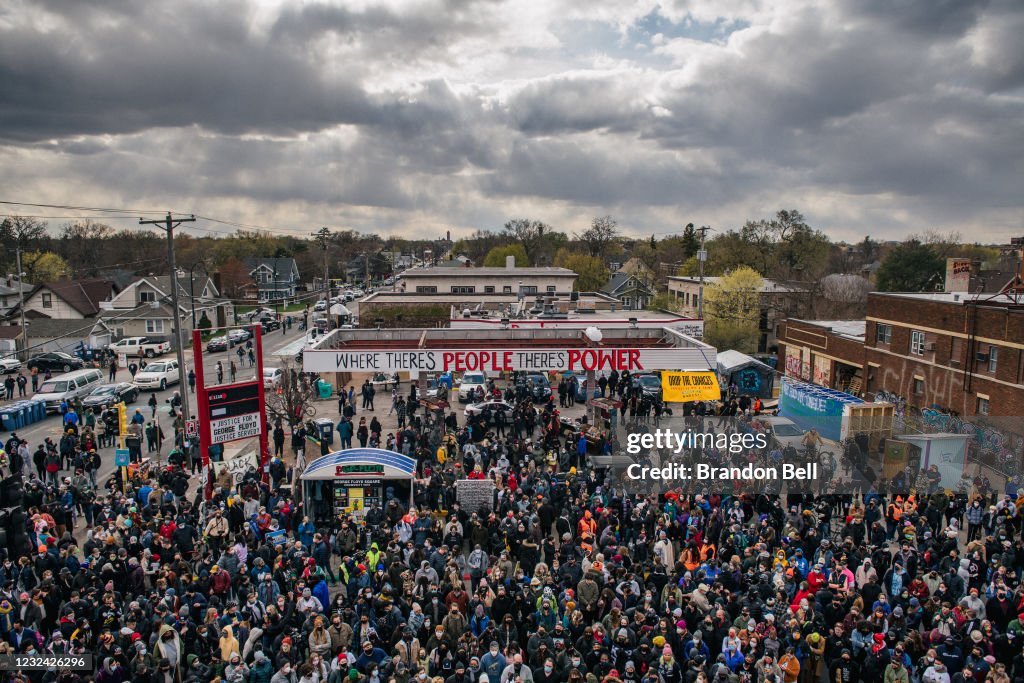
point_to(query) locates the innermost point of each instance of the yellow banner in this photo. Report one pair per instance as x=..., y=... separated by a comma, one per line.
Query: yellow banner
x=679, y=387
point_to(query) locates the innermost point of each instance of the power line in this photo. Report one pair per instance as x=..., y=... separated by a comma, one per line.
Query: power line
x=70, y=207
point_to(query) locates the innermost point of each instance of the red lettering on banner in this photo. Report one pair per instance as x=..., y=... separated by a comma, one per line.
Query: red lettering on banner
x=574, y=359
x=506, y=363
x=634, y=360
x=447, y=359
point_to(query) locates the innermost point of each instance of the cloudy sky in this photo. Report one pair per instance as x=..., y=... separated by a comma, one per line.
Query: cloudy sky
x=410, y=117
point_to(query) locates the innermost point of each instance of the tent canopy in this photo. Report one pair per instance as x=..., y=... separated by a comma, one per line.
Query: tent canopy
x=392, y=465
x=733, y=360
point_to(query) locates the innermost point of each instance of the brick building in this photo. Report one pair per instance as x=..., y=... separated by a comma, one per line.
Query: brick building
x=962, y=354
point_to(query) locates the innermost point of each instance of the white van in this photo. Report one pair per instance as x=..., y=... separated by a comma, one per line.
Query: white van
x=66, y=387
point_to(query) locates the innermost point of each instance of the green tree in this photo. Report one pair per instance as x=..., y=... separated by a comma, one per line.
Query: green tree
x=43, y=266
x=732, y=310
x=496, y=257
x=911, y=267
x=592, y=272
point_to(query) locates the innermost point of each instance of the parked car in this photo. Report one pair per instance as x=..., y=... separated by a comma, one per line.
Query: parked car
x=537, y=385
x=471, y=381
x=107, y=395
x=272, y=377
x=54, y=360
x=217, y=344
x=320, y=305
x=140, y=346
x=649, y=385
x=239, y=335
x=785, y=431
x=494, y=406
x=158, y=375
x=66, y=387
x=9, y=365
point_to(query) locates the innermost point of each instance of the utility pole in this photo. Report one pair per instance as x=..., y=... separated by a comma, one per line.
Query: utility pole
x=21, y=298
x=702, y=256
x=322, y=236
x=168, y=224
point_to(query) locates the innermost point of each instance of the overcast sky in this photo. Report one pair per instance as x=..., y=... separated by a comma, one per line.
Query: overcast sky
x=879, y=117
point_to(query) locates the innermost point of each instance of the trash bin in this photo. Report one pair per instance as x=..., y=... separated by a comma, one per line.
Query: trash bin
x=7, y=421
x=325, y=429
x=326, y=389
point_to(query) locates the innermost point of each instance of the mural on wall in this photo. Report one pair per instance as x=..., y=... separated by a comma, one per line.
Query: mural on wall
x=748, y=380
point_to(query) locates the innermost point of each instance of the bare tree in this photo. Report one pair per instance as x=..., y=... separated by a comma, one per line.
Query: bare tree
x=603, y=231
x=844, y=295
x=292, y=401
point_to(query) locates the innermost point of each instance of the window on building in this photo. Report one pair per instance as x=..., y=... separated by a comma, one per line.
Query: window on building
x=463, y=289
x=529, y=289
x=146, y=296
x=489, y=289
x=918, y=385
x=154, y=327
x=627, y=302
x=47, y=300
x=993, y=358
x=917, y=342
x=551, y=289
x=883, y=334
x=956, y=350
x=982, y=406
x=507, y=289
x=426, y=290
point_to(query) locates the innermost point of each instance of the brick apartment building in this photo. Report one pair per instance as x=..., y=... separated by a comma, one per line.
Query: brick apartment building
x=958, y=352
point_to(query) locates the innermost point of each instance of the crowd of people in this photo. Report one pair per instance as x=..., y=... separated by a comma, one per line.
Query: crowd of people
x=563, y=578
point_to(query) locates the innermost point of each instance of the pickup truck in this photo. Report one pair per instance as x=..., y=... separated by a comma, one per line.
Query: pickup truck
x=134, y=347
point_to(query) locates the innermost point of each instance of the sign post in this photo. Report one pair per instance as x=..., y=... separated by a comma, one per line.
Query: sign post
x=231, y=412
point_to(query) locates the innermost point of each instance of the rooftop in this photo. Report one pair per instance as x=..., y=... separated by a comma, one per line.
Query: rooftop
x=852, y=329
x=769, y=286
x=488, y=272
x=959, y=298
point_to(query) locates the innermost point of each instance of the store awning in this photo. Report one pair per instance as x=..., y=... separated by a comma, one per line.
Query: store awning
x=360, y=463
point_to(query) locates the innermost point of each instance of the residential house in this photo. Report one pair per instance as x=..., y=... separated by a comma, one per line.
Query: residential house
x=143, y=309
x=630, y=289
x=376, y=266
x=274, y=279
x=10, y=296
x=69, y=299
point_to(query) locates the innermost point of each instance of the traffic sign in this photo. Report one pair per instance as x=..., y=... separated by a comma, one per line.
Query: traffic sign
x=121, y=457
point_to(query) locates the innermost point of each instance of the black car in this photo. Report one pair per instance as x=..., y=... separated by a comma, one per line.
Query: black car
x=107, y=395
x=54, y=360
x=537, y=386
x=217, y=344
x=649, y=385
x=269, y=324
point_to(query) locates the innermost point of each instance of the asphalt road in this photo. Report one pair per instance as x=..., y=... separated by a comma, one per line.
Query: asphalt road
x=36, y=433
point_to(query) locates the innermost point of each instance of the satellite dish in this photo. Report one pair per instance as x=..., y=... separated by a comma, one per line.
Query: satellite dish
x=593, y=334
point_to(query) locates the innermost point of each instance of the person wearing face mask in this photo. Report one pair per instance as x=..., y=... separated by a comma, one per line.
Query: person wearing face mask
x=285, y=674
x=493, y=662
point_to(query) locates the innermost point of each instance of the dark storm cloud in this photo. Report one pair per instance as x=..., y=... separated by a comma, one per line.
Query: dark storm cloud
x=180, y=64
x=453, y=110
x=929, y=18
